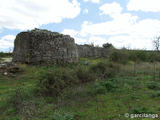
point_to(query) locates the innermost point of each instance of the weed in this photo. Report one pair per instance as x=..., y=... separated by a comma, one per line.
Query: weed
x=54, y=81
x=18, y=95
x=64, y=116
x=99, y=67
x=105, y=69
x=98, y=89
x=153, y=85
x=104, y=86
x=155, y=94
x=84, y=75
x=119, y=57
x=140, y=110
x=110, y=85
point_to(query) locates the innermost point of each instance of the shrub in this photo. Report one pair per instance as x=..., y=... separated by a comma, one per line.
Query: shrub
x=112, y=69
x=141, y=55
x=108, y=45
x=156, y=94
x=64, y=116
x=120, y=56
x=154, y=56
x=133, y=56
x=105, y=86
x=54, y=81
x=16, y=99
x=99, y=67
x=84, y=75
x=110, y=85
x=20, y=94
x=104, y=69
x=124, y=55
x=2, y=54
x=140, y=110
x=98, y=89
x=153, y=85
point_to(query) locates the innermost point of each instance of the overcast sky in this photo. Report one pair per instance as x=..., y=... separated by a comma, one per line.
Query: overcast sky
x=124, y=23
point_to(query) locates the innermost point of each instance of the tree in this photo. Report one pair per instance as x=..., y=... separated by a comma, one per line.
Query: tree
x=108, y=45
x=156, y=43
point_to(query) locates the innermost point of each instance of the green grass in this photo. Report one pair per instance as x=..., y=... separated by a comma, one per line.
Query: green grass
x=108, y=98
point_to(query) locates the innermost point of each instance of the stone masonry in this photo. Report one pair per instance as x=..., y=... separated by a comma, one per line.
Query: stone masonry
x=91, y=51
x=44, y=46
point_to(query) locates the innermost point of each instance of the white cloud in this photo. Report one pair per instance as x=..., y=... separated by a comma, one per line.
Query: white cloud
x=131, y=42
x=76, y=35
x=28, y=14
x=93, y=1
x=85, y=11
x=70, y=32
x=79, y=37
x=97, y=40
x=80, y=40
x=144, y=5
x=124, y=30
x=7, y=41
x=120, y=24
x=111, y=9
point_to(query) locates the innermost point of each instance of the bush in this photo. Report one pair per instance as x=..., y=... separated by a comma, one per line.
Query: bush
x=143, y=56
x=54, y=81
x=108, y=45
x=2, y=54
x=112, y=69
x=98, y=89
x=156, y=94
x=99, y=67
x=139, y=55
x=104, y=69
x=84, y=75
x=120, y=56
x=20, y=94
x=110, y=85
x=154, y=56
x=124, y=56
x=15, y=100
x=105, y=86
x=65, y=116
x=153, y=85
x=140, y=110
x=133, y=56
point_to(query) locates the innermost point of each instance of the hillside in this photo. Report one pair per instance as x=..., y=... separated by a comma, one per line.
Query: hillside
x=93, y=89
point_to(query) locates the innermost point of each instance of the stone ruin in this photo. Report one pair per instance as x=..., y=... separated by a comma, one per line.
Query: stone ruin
x=91, y=51
x=44, y=46
x=38, y=46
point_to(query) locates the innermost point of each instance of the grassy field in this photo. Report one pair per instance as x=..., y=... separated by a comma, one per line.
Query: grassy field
x=101, y=90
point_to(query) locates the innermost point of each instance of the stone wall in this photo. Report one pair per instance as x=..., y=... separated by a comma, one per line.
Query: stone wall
x=44, y=46
x=91, y=51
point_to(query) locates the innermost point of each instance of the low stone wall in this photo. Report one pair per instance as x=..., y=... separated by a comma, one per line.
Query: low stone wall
x=44, y=46
x=91, y=51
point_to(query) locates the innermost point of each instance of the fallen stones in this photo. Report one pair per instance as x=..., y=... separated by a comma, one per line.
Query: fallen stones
x=13, y=69
x=9, y=69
